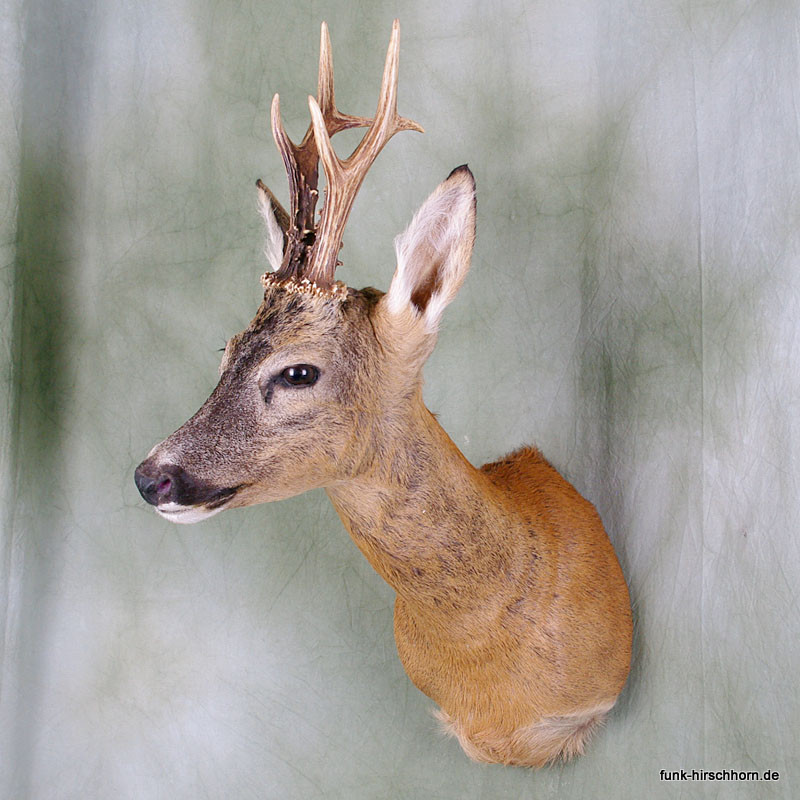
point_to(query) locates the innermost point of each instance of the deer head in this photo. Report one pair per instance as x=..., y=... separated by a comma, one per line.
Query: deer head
x=325, y=376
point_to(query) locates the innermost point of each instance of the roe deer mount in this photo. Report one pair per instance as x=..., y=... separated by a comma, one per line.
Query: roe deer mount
x=511, y=609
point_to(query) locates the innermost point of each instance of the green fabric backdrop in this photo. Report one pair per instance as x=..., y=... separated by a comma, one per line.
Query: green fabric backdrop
x=632, y=308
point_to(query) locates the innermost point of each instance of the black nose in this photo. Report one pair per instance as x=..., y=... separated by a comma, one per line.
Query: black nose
x=158, y=486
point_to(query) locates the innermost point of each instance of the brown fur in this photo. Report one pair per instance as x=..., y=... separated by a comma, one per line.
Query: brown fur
x=512, y=612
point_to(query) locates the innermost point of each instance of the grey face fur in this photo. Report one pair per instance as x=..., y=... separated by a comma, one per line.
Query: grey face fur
x=258, y=438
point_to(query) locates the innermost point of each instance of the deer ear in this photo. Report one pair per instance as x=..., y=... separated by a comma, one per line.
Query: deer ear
x=434, y=252
x=276, y=221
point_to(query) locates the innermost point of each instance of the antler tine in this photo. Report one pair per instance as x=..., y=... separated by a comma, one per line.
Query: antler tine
x=285, y=145
x=325, y=91
x=335, y=121
x=387, y=102
x=345, y=177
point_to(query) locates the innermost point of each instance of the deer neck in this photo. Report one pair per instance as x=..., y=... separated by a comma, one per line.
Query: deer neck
x=425, y=518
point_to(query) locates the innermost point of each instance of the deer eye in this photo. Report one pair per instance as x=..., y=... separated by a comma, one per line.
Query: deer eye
x=300, y=375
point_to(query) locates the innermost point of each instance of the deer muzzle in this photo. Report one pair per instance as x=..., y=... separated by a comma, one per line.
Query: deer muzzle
x=177, y=495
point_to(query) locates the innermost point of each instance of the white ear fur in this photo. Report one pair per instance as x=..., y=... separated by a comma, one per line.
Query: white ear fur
x=270, y=210
x=433, y=253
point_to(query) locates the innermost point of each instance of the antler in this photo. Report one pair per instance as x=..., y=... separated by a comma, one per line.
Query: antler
x=311, y=250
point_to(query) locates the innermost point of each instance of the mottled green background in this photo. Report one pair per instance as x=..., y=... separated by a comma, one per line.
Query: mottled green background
x=633, y=308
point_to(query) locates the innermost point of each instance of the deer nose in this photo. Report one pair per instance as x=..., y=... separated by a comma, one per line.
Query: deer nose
x=161, y=486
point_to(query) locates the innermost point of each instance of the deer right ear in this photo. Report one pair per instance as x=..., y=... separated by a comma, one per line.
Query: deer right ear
x=276, y=221
x=434, y=252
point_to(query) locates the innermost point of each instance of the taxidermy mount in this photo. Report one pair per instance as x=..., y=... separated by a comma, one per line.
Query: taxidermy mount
x=511, y=609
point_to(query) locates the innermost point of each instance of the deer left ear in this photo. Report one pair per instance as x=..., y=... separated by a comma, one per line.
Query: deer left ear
x=434, y=252
x=276, y=221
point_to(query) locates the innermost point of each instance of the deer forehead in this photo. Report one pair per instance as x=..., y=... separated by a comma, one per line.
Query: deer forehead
x=295, y=325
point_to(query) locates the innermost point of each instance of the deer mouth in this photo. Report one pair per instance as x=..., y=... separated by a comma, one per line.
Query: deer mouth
x=186, y=514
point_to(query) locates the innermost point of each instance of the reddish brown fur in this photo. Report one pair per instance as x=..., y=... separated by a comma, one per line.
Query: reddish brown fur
x=512, y=612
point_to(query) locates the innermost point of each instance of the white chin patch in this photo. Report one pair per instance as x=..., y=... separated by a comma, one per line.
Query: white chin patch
x=186, y=514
